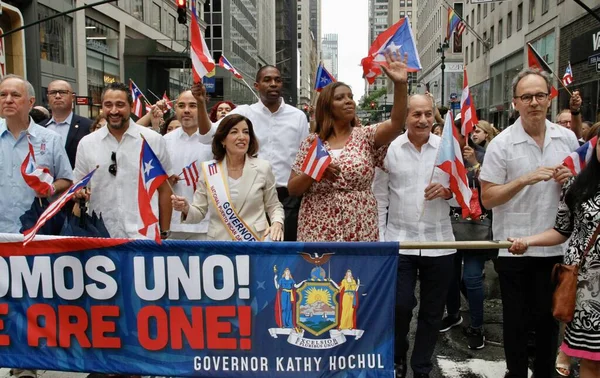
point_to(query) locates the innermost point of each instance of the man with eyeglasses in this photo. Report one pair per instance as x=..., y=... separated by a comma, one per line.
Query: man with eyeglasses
x=116, y=149
x=521, y=180
x=66, y=123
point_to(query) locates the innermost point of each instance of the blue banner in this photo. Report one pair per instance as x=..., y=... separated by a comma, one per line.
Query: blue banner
x=199, y=309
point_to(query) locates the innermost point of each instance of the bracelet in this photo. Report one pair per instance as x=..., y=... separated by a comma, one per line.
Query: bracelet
x=577, y=112
x=474, y=168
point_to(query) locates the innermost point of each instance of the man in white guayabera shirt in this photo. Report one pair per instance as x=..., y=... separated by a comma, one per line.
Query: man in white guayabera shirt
x=521, y=179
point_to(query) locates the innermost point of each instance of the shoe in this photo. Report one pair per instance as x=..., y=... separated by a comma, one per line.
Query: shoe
x=401, y=368
x=475, y=338
x=24, y=374
x=450, y=322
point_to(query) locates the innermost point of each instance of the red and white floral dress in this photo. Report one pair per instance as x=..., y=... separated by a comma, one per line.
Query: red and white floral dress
x=344, y=209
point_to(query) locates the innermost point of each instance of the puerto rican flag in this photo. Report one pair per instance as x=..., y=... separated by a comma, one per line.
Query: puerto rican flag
x=317, y=160
x=151, y=176
x=56, y=206
x=535, y=60
x=399, y=38
x=568, y=76
x=468, y=116
x=37, y=178
x=168, y=102
x=191, y=174
x=138, y=102
x=578, y=159
x=323, y=79
x=202, y=61
x=223, y=62
x=450, y=160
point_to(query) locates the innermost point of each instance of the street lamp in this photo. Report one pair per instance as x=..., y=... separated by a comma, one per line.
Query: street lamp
x=441, y=50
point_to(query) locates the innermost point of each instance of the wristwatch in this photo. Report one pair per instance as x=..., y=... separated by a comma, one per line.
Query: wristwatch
x=165, y=234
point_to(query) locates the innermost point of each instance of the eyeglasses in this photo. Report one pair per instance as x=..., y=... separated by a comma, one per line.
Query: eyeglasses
x=112, y=169
x=527, y=98
x=564, y=123
x=61, y=92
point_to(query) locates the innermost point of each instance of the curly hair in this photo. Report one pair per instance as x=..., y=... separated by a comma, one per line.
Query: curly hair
x=213, y=111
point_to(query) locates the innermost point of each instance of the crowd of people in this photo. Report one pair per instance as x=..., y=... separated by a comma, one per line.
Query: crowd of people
x=235, y=173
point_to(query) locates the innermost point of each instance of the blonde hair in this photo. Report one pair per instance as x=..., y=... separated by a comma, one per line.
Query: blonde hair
x=489, y=130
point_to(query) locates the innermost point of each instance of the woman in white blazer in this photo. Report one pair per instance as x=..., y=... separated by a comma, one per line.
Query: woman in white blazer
x=238, y=187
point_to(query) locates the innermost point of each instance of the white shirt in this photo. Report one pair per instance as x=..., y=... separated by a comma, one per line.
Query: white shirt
x=233, y=188
x=513, y=154
x=116, y=197
x=402, y=189
x=184, y=149
x=62, y=128
x=279, y=135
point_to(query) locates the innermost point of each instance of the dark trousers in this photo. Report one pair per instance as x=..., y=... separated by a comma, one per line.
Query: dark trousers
x=434, y=275
x=526, y=291
x=291, y=207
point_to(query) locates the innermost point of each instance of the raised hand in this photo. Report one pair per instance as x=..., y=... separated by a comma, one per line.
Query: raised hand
x=575, y=102
x=397, y=67
x=199, y=93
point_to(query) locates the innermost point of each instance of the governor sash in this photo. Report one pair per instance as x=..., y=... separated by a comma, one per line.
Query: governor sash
x=218, y=191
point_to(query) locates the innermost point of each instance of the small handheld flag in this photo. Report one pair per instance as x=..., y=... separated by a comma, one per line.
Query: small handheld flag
x=191, y=175
x=37, y=178
x=467, y=109
x=398, y=38
x=568, y=76
x=224, y=63
x=55, y=206
x=151, y=176
x=317, y=160
x=578, y=159
x=168, y=103
x=202, y=60
x=323, y=79
x=136, y=95
x=449, y=159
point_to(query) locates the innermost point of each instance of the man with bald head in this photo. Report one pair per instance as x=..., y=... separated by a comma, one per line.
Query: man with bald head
x=187, y=154
x=413, y=205
x=16, y=100
x=67, y=124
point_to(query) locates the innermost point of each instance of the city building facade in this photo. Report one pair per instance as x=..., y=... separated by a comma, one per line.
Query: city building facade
x=286, y=48
x=329, y=55
x=378, y=22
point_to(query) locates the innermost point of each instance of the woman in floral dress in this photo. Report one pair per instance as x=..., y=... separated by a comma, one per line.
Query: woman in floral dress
x=578, y=218
x=342, y=207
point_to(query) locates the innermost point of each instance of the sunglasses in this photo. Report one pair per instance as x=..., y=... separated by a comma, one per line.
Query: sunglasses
x=112, y=169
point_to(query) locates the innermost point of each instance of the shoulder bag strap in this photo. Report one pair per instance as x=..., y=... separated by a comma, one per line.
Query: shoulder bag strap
x=590, y=244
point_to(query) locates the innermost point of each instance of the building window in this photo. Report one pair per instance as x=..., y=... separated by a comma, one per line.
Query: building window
x=171, y=26
x=56, y=37
x=409, y=3
x=545, y=6
x=531, y=10
x=478, y=48
x=466, y=55
x=472, y=51
x=500, y=31
x=478, y=13
x=467, y=29
x=402, y=13
x=485, y=10
x=473, y=15
x=520, y=16
x=137, y=9
x=409, y=14
x=101, y=38
x=491, y=37
x=509, y=25
x=485, y=49
x=299, y=17
x=493, y=6
x=402, y=3
x=156, y=16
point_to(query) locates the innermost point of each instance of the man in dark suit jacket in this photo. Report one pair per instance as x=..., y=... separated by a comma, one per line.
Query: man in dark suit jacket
x=68, y=124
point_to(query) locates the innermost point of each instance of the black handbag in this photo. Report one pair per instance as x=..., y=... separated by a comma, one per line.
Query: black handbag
x=471, y=229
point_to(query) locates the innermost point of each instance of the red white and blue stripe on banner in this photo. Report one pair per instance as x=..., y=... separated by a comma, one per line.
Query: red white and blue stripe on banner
x=197, y=309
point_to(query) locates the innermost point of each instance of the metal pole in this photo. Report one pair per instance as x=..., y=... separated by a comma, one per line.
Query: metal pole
x=54, y=16
x=443, y=67
x=491, y=244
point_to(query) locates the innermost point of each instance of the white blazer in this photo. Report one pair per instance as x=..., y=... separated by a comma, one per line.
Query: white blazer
x=257, y=197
